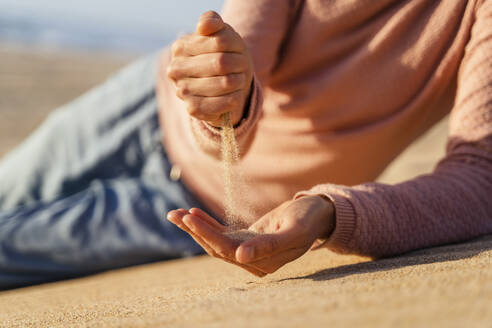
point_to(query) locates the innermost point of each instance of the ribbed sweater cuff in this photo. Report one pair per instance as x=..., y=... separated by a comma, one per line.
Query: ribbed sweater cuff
x=345, y=219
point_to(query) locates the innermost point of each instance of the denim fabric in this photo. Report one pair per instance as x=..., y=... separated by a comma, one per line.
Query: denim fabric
x=90, y=189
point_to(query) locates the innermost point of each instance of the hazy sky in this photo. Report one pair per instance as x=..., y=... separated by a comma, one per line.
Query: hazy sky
x=151, y=13
x=133, y=19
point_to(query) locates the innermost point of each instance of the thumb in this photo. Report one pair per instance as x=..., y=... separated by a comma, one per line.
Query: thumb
x=209, y=23
x=265, y=246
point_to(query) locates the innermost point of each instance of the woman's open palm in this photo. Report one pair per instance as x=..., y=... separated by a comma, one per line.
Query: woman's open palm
x=280, y=236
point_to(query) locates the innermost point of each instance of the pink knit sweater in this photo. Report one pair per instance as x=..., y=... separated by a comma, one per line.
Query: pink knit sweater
x=341, y=88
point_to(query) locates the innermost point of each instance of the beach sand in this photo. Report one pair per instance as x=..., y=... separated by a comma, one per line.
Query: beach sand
x=33, y=82
x=449, y=286
x=441, y=287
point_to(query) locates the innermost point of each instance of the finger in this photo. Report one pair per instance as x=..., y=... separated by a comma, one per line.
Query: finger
x=254, y=271
x=272, y=264
x=176, y=217
x=267, y=245
x=212, y=86
x=210, y=251
x=210, y=108
x=220, y=243
x=250, y=269
x=226, y=40
x=204, y=216
x=207, y=65
x=209, y=23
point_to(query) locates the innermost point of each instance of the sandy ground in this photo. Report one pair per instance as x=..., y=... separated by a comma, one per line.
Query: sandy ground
x=448, y=286
x=34, y=82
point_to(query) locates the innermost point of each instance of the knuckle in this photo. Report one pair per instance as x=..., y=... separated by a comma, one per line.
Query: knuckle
x=173, y=70
x=222, y=63
x=170, y=71
x=177, y=47
x=193, y=108
x=232, y=81
x=227, y=82
x=183, y=92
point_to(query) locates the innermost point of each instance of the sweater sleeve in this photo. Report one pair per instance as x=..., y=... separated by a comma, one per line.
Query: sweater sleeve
x=452, y=204
x=264, y=25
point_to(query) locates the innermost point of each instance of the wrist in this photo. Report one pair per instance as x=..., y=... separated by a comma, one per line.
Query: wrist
x=327, y=217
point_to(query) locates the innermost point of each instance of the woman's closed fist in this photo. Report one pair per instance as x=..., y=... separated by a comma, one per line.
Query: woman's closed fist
x=212, y=70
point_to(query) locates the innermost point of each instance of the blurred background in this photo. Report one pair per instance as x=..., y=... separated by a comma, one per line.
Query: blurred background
x=52, y=51
x=113, y=25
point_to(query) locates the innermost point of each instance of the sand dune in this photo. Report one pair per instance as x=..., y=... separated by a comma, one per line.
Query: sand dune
x=449, y=286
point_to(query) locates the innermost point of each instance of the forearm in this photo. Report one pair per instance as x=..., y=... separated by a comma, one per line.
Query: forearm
x=451, y=205
x=454, y=202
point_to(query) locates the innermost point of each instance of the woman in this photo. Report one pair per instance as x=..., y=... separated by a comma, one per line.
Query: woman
x=322, y=93
x=347, y=85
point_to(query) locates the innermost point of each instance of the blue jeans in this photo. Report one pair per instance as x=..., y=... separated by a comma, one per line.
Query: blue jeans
x=90, y=189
